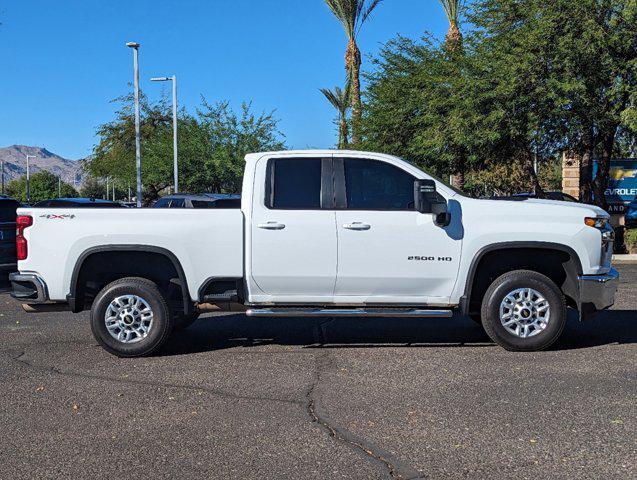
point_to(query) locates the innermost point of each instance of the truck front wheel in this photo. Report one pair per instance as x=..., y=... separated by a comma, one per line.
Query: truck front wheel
x=524, y=311
x=130, y=318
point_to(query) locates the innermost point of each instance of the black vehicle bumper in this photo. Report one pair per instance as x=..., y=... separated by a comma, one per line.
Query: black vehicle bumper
x=28, y=288
x=597, y=292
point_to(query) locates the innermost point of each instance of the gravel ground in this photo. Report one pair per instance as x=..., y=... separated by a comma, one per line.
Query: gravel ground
x=234, y=397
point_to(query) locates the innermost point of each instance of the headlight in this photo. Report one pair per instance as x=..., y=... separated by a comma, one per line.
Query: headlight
x=602, y=224
x=599, y=223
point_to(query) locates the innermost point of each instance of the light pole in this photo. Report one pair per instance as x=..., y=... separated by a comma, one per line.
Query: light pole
x=29, y=179
x=175, y=164
x=138, y=160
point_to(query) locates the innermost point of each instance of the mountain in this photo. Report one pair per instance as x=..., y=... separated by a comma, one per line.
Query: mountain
x=15, y=164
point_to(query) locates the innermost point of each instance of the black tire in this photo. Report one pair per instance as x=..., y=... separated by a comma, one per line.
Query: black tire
x=506, y=284
x=182, y=322
x=162, y=323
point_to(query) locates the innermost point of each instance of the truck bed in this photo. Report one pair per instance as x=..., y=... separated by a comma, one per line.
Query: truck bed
x=205, y=242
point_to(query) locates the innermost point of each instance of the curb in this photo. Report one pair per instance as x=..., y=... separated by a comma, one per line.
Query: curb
x=625, y=259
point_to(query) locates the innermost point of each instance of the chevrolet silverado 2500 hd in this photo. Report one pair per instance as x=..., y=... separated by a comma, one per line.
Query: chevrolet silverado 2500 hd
x=321, y=233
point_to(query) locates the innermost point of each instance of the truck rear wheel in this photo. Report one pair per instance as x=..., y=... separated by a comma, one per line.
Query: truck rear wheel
x=130, y=318
x=524, y=311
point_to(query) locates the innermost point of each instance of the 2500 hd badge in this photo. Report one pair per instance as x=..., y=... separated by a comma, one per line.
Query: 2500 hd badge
x=431, y=259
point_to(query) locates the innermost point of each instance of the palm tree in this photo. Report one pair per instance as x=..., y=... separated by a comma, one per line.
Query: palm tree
x=453, y=45
x=352, y=14
x=340, y=100
x=453, y=40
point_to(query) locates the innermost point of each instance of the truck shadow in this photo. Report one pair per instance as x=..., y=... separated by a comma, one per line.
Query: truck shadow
x=230, y=331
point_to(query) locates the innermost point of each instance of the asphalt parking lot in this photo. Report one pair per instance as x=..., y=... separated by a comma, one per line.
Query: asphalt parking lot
x=234, y=397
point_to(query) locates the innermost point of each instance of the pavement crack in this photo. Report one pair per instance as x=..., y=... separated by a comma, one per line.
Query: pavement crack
x=18, y=357
x=396, y=468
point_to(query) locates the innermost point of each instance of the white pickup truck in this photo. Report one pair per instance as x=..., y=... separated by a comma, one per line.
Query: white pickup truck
x=321, y=233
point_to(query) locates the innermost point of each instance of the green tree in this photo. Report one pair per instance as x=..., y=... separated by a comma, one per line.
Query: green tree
x=93, y=188
x=352, y=14
x=44, y=185
x=339, y=98
x=212, y=146
x=599, y=51
x=562, y=75
x=531, y=79
x=227, y=137
x=114, y=155
x=417, y=110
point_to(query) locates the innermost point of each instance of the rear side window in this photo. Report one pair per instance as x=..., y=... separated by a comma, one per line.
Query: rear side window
x=8, y=210
x=294, y=184
x=178, y=203
x=374, y=185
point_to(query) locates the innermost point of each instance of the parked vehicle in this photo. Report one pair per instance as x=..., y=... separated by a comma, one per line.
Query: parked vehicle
x=8, y=261
x=561, y=196
x=630, y=217
x=322, y=233
x=204, y=200
x=77, y=203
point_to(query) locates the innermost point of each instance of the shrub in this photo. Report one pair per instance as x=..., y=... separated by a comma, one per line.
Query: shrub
x=630, y=240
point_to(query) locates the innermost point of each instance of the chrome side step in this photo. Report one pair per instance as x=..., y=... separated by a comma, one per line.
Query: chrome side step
x=347, y=312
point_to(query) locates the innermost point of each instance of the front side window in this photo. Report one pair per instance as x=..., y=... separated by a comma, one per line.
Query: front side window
x=375, y=185
x=294, y=184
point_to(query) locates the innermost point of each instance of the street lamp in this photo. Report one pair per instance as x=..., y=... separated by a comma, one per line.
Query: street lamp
x=175, y=164
x=29, y=179
x=138, y=160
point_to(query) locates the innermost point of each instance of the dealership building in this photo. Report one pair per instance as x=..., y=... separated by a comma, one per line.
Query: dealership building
x=621, y=194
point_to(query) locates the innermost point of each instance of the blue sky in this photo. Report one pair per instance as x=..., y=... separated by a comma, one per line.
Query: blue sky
x=62, y=62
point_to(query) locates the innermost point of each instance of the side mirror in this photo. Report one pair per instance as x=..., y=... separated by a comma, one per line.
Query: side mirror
x=427, y=200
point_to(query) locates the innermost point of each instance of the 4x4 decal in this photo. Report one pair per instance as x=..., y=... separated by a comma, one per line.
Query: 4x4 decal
x=51, y=216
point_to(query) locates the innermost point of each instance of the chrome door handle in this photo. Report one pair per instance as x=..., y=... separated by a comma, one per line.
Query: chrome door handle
x=271, y=226
x=357, y=226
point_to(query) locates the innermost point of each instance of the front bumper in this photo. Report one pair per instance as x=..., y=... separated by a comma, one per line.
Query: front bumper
x=597, y=292
x=28, y=288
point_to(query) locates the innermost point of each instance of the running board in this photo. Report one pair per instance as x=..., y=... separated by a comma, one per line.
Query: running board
x=347, y=312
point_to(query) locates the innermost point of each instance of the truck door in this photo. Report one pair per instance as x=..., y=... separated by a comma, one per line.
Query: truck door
x=387, y=251
x=293, y=244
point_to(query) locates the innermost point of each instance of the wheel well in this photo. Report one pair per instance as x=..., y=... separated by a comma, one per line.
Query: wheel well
x=561, y=266
x=97, y=269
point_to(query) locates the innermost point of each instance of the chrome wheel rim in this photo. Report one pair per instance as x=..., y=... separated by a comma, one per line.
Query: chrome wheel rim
x=129, y=318
x=525, y=313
